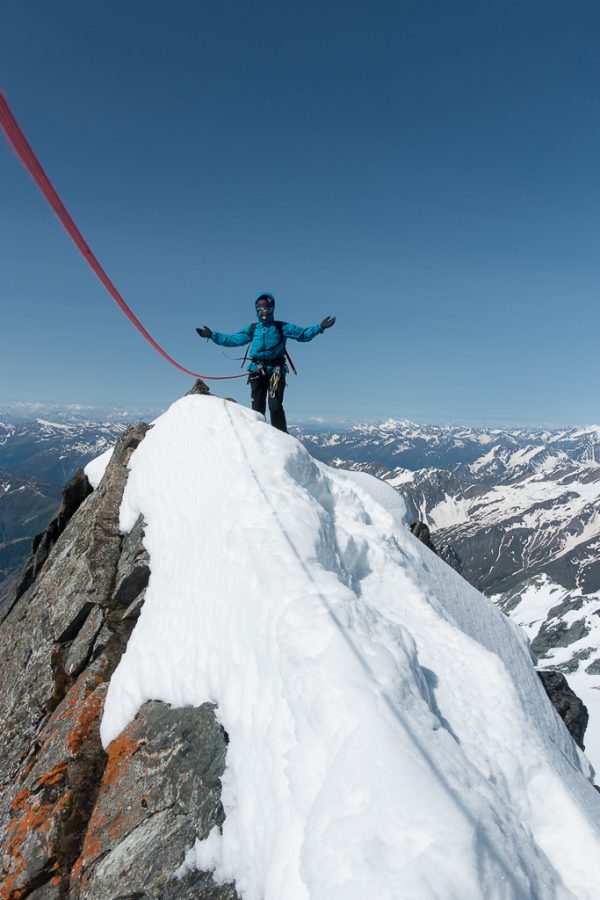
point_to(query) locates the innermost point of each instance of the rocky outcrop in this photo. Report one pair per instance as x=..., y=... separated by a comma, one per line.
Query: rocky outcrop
x=557, y=633
x=198, y=387
x=76, y=821
x=567, y=704
x=160, y=790
x=74, y=493
x=422, y=533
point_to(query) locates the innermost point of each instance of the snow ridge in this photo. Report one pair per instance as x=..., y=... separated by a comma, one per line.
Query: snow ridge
x=389, y=737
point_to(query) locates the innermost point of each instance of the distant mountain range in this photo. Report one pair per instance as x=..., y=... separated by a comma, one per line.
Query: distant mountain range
x=499, y=450
x=513, y=504
x=22, y=411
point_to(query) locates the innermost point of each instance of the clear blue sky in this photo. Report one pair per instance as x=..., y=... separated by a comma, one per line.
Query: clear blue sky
x=426, y=171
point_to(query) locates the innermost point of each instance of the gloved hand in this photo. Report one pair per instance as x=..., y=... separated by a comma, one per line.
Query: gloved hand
x=204, y=331
x=328, y=321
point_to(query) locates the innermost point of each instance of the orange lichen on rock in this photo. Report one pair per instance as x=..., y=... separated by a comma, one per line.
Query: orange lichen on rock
x=103, y=824
x=68, y=708
x=78, y=866
x=35, y=817
x=115, y=827
x=92, y=846
x=72, y=733
x=54, y=775
x=89, y=714
x=32, y=817
x=120, y=752
x=19, y=800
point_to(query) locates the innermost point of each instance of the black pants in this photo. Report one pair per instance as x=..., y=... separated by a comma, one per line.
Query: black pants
x=259, y=389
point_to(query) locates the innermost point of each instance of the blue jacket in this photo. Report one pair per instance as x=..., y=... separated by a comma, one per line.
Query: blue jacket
x=267, y=348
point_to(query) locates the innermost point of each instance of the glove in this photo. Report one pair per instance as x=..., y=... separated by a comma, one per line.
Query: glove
x=204, y=331
x=328, y=321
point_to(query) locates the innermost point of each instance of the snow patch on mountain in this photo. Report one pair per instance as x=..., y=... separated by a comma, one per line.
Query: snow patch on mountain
x=484, y=460
x=536, y=600
x=54, y=426
x=400, y=476
x=388, y=734
x=531, y=503
x=450, y=511
x=589, y=530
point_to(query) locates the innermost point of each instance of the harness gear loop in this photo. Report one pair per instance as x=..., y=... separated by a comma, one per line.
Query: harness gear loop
x=274, y=381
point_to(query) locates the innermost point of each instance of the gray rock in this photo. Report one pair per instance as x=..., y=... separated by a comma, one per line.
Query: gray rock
x=47, y=622
x=164, y=794
x=55, y=791
x=572, y=664
x=8, y=592
x=566, y=703
x=81, y=648
x=422, y=533
x=558, y=634
x=134, y=609
x=133, y=570
x=48, y=891
x=74, y=493
x=565, y=606
x=104, y=637
x=198, y=387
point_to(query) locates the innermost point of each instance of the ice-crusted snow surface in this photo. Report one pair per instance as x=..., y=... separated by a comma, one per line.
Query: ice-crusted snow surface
x=389, y=737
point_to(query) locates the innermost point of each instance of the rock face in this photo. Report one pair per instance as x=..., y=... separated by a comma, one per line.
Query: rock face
x=76, y=821
x=198, y=387
x=567, y=704
x=74, y=493
x=160, y=790
x=422, y=533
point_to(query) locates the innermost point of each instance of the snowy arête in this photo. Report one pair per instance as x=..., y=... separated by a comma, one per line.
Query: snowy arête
x=388, y=734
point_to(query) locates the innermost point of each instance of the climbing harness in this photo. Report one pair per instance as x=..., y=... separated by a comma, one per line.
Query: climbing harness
x=23, y=150
x=279, y=327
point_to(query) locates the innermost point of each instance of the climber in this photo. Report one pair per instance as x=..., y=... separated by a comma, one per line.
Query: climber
x=267, y=369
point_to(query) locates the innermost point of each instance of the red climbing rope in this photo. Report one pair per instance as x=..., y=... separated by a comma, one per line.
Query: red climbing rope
x=28, y=158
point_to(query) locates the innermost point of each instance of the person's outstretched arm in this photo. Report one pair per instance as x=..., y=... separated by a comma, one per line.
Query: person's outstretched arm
x=238, y=339
x=306, y=334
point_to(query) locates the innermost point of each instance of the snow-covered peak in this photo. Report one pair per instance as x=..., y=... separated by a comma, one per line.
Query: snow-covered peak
x=53, y=426
x=388, y=735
